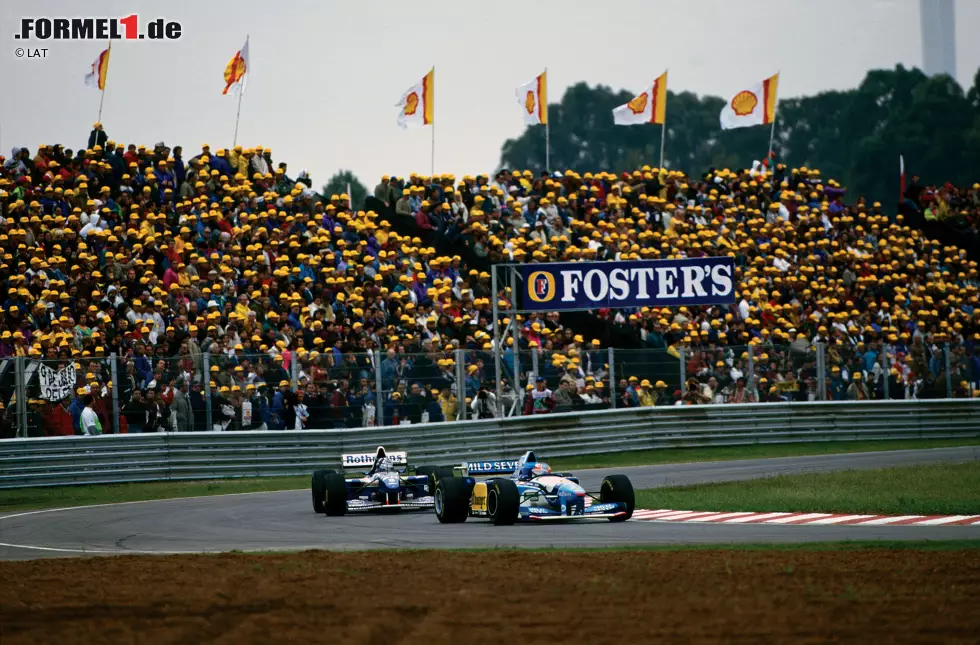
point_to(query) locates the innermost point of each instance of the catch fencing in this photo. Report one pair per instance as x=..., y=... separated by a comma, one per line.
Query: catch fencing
x=53, y=461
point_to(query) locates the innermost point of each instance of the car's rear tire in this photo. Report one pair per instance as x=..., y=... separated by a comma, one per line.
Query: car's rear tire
x=434, y=473
x=618, y=488
x=503, y=501
x=452, y=500
x=319, y=488
x=335, y=498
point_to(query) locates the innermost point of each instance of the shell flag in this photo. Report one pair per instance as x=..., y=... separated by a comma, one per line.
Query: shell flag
x=533, y=99
x=648, y=107
x=100, y=69
x=753, y=106
x=418, y=102
x=236, y=72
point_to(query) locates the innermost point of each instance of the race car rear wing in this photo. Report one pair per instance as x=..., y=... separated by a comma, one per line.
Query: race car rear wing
x=364, y=461
x=501, y=467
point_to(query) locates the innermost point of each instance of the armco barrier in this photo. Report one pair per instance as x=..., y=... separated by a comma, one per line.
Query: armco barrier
x=209, y=455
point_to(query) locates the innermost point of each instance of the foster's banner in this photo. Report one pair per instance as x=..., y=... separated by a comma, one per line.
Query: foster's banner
x=639, y=283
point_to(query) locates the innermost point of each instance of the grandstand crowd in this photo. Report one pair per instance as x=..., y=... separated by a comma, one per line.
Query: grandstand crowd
x=236, y=297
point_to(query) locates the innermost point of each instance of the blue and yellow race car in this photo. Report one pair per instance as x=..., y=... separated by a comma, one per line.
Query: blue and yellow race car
x=531, y=493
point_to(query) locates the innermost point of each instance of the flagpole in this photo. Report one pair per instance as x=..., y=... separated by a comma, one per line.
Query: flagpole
x=547, y=128
x=241, y=90
x=432, y=158
x=238, y=115
x=772, y=133
x=663, y=136
x=102, y=98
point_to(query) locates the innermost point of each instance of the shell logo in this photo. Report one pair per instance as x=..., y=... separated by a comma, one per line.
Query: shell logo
x=529, y=102
x=743, y=103
x=411, y=103
x=639, y=104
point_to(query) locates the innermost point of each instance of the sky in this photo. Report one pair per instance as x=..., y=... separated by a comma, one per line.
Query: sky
x=325, y=76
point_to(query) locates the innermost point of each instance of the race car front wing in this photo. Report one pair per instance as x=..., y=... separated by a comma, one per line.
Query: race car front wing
x=573, y=512
x=361, y=505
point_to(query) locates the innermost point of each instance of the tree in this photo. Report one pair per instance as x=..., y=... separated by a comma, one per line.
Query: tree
x=854, y=136
x=338, y=186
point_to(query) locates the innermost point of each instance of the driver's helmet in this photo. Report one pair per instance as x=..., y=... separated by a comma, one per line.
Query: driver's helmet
x=534, y=469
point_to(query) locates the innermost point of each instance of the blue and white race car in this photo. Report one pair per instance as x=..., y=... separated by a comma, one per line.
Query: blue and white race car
x=389, y=485
x=531, y=493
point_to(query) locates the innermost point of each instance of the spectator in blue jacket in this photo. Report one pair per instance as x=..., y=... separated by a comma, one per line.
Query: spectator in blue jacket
x=75, y=409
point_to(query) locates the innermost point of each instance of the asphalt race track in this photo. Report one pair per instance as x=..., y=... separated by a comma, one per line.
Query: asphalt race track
x=285, y=519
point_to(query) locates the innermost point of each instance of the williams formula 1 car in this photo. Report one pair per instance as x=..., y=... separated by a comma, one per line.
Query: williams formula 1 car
x=388, y=485
x=531, y=493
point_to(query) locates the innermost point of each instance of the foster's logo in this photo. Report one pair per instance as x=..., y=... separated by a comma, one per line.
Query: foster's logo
x=541, y=286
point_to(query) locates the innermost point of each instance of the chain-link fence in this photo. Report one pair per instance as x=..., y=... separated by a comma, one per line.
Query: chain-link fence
x=239, y=391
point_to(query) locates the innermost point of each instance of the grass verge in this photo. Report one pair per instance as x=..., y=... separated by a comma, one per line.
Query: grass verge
x=910, y=490
x=758, y=451
x=23, y=499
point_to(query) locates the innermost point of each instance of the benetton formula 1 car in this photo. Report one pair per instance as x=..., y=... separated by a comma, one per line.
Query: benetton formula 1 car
x=387, y=486
x=531, y=493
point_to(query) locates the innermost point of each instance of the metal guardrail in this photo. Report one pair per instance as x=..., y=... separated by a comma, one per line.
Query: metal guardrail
x=55, y=461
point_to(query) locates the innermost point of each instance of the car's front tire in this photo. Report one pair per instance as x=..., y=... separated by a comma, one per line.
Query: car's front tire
x=319, y=488
x=335, y=498
x=618, y=488
x=503, y=501
x=452, y=500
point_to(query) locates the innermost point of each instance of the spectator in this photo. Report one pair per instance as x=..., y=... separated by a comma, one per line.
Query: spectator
x=89, y=421
x=646, y=394
x=484, y=405
x=184, y=413
x=57, y=420
x=741, y=394
x=158, y=258
x=447, y=403
x=542, y=401
x=857, y=390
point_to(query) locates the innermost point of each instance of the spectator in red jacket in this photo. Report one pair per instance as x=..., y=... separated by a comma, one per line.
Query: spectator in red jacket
x=57, y=420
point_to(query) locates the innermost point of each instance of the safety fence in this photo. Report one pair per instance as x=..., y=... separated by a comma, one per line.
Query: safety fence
x=52, y=461
x=255, y=391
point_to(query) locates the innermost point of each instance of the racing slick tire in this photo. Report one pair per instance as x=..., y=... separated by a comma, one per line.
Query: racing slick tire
x=335, y=498
x=503, y=501
x=618, y=488
x=319, y=487
x=452, y=500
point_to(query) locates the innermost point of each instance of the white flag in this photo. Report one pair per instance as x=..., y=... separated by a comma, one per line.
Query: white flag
x=100, y=69
x=533, y=99
x=649, y=107
x=754, y=106
x=237, y=70
x=418, y=102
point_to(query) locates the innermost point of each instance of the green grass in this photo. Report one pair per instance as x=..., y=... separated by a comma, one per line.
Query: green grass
x=21, y=499
x=757, y=451
x=61, y=496
x=910, y=490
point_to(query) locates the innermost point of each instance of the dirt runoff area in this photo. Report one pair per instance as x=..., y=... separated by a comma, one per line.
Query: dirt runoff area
x=433, y=597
